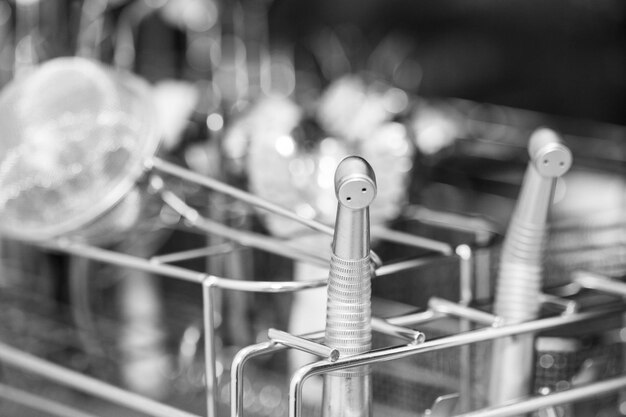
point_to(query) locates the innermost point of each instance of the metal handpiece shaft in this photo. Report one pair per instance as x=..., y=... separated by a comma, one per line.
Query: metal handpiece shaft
x=519, y=279
x=348, y=310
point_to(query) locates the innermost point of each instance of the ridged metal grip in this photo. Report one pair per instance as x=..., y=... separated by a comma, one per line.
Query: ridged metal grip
x=348, y=311
x=347, y=393
x=520, y=275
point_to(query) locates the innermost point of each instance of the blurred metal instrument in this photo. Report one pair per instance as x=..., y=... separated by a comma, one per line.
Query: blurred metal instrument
x=348, y=310
x=519, y=281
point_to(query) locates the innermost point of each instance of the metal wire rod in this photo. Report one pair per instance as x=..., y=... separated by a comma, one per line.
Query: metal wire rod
x=600, y=283
x=212, y=250
x=134, y=262
x=123, y=260
x=566, y=306
x=301, y=343
x=453, y=221
x=246, y=238
x=209, y=282
x=390, y=235
x=210, y=348
x=219, y=186
x=410, y=335
x=39, y=403
x=475, y=336
x=415, y=319
x=450, y=308
x=389, y=269
x=236, y=372
x=538, y=402
x=240, y=360
x=25, y=361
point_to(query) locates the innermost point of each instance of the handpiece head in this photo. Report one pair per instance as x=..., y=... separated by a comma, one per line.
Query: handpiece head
x=355, y=183
x=549, y=155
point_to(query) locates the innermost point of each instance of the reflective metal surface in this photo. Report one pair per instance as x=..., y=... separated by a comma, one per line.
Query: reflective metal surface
x=348, y=307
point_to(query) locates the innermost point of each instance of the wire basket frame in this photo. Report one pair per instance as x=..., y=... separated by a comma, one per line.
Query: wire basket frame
x=437, y=311
x=161, y=265
x=397, y=327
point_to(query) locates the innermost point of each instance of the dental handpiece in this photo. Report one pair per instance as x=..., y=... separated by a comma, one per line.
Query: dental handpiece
x=520, y=274
x=348, y=310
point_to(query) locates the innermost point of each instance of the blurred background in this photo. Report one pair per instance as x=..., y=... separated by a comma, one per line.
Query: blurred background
x=562, y=58
x=268, y=96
